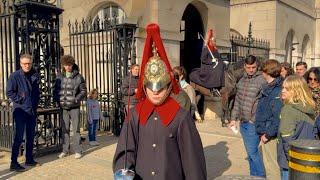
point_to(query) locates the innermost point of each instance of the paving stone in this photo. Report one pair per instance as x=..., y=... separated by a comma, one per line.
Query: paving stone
x=224, y=153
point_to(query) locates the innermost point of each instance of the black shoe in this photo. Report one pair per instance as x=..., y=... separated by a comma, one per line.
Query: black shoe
x=17, y=167
x=31, y=163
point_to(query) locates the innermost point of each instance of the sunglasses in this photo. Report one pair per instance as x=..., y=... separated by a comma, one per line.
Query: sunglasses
x=312, y=79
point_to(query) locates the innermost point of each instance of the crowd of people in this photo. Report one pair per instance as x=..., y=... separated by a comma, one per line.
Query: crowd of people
x=273, y=106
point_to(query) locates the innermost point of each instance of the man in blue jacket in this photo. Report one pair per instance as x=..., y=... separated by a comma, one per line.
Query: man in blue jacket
x=268, y=116
x=23, y=91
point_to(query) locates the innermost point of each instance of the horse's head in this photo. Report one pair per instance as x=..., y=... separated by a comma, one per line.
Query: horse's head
x=236, y=69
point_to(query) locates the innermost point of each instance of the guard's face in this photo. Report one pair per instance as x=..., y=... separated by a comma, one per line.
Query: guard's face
x=26, y=64
x=156, y=97
x=68, y=67
x=300, y=70
x=251, y=69
x=212, y=41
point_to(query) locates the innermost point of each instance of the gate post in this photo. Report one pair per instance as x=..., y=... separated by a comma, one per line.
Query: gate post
x=250, y=39
x=37, y=33
x=125, y=42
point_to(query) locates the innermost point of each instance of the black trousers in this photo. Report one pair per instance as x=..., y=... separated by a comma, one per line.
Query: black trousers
x=23, y=121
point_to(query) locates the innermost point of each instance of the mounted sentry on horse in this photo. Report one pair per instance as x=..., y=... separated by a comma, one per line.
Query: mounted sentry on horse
x=209, y=78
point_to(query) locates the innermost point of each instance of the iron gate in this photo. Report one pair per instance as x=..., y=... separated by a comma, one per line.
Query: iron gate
x=244, y=46
x=103, y=51
x=31, y=26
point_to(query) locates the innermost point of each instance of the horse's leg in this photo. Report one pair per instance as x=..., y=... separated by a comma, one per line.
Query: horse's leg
x=200, y=103
x=223, y=102
x=230, y=106
x=224, y=105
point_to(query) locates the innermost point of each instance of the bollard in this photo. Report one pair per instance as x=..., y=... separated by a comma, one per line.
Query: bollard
x=304, y=159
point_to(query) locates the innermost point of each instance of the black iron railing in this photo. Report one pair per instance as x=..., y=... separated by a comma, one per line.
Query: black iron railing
x=241, y=47
x=30, y=27
x=103, y=51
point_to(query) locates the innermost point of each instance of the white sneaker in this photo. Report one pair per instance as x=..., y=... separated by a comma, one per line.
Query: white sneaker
x=96, y=143
x=62, y=155
x=92, y=143
x=78, y=155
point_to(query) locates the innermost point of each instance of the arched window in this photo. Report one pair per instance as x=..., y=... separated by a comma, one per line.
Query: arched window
x=111, y=12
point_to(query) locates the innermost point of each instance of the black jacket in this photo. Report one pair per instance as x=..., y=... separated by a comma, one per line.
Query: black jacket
x=125, y=89
x=69, y=92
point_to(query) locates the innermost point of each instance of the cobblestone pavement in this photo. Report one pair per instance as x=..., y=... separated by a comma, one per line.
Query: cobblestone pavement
x=224, y=154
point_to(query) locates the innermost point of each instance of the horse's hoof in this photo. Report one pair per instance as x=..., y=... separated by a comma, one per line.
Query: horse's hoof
x=199, y=120
x=224, y=124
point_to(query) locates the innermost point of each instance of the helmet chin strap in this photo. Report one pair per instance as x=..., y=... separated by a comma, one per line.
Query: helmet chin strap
x=168, y=92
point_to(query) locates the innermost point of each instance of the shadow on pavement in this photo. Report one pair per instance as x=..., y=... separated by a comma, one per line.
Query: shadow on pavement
x=217, y=160
x=105, y=139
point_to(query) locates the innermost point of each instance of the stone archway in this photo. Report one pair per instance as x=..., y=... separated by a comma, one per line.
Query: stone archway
x=305, y=49
x=234, y=33
x=291, y=47
x=191, y=47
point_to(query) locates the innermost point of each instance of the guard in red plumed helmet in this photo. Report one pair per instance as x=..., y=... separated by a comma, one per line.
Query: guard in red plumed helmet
x=162, y=139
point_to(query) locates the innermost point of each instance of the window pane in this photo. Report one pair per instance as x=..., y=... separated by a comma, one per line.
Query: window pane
x=112, y=13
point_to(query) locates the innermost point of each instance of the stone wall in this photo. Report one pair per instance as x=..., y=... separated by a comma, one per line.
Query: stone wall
x=272, y=20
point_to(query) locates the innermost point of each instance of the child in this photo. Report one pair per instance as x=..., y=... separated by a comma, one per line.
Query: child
x=296, y=118
x=94, y=112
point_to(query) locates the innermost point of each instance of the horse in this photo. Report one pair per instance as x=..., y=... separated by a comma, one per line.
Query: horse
x=233, y=74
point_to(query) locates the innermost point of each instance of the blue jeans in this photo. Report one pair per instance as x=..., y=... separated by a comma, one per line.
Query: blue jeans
x=251, y=142
x=92, y=130
x=284, y=174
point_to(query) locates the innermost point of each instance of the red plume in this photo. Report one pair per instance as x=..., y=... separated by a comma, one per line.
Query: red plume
x=211, y=45
x=153, y=35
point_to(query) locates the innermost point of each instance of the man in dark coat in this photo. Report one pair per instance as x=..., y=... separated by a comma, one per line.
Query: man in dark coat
x=70, y=90
x=23, y=90
x=162, y=139
x=129, y=87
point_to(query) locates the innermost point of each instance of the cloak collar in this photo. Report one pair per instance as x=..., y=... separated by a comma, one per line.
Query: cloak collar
x=167, y=110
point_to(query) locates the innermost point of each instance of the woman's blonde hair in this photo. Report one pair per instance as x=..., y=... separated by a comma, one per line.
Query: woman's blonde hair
x=299, y=91
x=90, y=95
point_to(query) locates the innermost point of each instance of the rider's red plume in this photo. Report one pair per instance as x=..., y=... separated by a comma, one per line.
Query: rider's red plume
x=211, y=44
